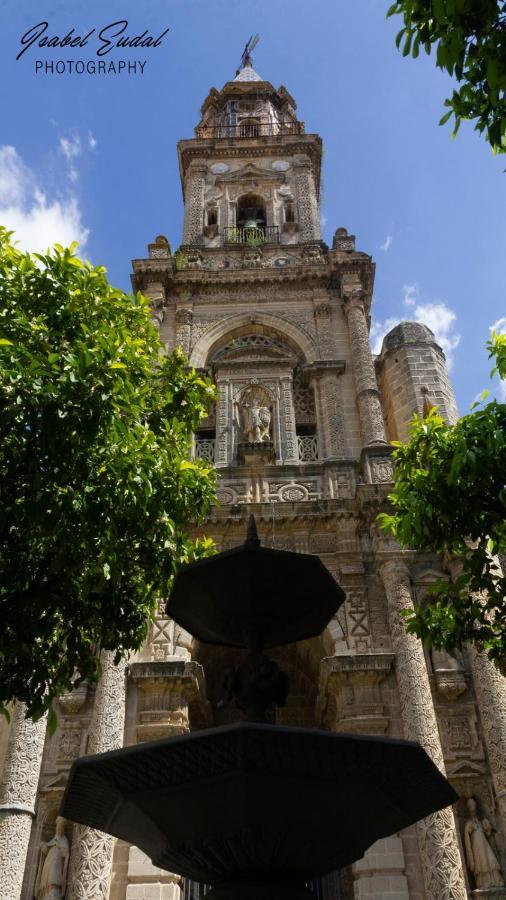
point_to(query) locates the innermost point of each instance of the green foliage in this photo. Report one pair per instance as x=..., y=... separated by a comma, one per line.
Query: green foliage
x=255, y=237
x=96, y=486
x=470, y=41
x=450, y=497
x=181, y=260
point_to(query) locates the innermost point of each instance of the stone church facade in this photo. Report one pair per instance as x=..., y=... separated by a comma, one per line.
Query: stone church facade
x=300, y=435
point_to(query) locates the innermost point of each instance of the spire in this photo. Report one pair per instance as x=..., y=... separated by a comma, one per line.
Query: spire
x=246, y=71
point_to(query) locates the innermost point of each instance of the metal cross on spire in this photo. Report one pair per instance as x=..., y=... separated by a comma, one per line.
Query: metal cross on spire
x=250, y=46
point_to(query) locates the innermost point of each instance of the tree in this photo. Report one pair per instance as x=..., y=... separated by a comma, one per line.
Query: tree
x=470, y=39
x=449, y=497
x=96, y=483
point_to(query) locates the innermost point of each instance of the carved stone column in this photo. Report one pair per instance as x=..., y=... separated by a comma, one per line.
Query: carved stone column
x=437, y=836
x=194, y=203
x=490, y=687
x=18, y=791
x=369, y=406
x=91, y=856
x=309, y=219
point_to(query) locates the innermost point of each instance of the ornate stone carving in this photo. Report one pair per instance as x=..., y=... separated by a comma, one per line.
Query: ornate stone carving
x=304, y=402
x=166, y=639
x=194, y=205
x=481, y=859
x=52, y=873
x=256, y=418
x=184, y=317
x=449, y=674
x=307, y=205
x=490, y=687
x=439, y=849
x=90, y=867
x=371, y=415
x=165, y=692
x=18, y=791
x=354, y=682
x=342, y=240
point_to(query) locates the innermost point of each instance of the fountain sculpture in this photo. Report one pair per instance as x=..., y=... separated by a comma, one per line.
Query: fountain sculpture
x=254, y=809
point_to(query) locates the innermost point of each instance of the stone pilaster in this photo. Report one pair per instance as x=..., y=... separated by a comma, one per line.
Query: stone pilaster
x=91, y=857
x=194, y=203
x=368, y=401
x=222, y=423
x=309, y=218
x=156, y=295
x=437, y=836
x=490, y=687
x=288, y=430
x=184, y=318
x=324, y=377
x=18, y=791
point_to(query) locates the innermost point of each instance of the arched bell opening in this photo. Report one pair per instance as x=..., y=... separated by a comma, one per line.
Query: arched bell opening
x=251, y=211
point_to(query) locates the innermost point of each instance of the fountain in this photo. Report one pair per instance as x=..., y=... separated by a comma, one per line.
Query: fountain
x=254, y=809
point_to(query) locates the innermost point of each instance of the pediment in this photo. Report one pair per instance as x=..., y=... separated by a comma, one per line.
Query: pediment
x=250, y=172
x=466, y=768
x=430, y=576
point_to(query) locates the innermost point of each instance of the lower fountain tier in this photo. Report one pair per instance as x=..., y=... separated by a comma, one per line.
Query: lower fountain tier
x=248, y=802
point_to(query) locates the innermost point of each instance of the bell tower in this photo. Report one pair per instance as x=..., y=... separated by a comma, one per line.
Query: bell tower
x=250, y=175
x=275, y=316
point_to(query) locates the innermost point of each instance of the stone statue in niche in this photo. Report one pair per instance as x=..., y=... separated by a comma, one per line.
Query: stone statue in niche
x=255, y=415
x=258, y=420
x=481, y=859
x=52, y=872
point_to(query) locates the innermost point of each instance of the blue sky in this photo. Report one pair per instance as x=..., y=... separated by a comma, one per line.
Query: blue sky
x=93, y=157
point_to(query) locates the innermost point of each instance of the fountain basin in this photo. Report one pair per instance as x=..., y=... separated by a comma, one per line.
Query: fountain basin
x=254, y=803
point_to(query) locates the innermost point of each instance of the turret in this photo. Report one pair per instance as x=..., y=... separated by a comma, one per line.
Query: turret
x=412, y=371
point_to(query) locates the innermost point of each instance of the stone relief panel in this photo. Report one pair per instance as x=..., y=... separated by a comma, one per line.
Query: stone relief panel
x=304, y=403
x=166, y=639
x=260, y=489
x=458, y=727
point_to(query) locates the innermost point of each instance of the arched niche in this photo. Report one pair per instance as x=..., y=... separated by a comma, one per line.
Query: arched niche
x=302, y=344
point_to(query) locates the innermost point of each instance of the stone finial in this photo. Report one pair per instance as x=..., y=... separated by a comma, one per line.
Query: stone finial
x=342, y=240
x=160, y=248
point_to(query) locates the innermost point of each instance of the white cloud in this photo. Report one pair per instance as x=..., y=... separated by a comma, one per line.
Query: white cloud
x=437, y=316
x=14, y=176
x=410, y=294
x=379, y=330
x=441, y=320
x=71, y=147
x=37, y=220
x=499, y=326
x=92, y=141
x=386, y=243
x=73, y=175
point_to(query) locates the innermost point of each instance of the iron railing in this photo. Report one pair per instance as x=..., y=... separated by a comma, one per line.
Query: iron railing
x=247, y=129
x=266, y=234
